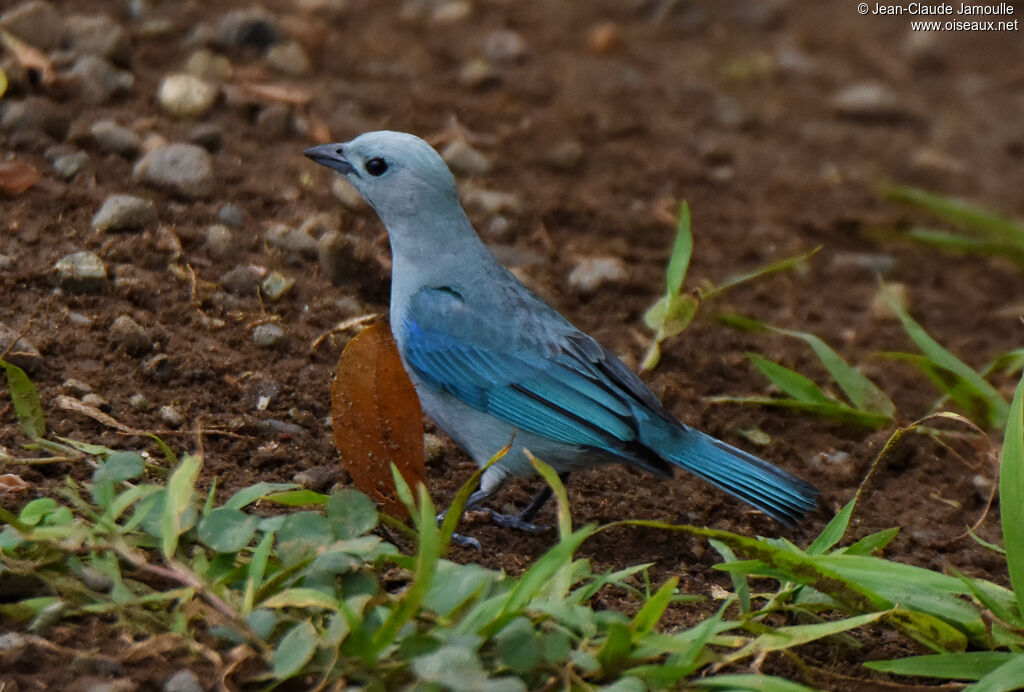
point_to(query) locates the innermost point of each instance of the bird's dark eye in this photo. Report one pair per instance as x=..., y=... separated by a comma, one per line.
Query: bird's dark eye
x=376, y=166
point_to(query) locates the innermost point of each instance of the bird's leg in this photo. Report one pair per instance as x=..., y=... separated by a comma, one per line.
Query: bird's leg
x=523, y=520
x=473, y=500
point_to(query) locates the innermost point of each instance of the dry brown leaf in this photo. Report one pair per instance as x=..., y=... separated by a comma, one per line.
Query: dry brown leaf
x=11, y=484
x=15, y=178
x=377, y=417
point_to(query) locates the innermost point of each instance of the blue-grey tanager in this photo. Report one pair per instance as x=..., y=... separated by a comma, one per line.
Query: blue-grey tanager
x=492, y=363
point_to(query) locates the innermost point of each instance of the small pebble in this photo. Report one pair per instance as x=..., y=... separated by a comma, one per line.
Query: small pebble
x=68, y=166
x=289, y=58
x=112, y=138
x=157, y=367
x=209, y=66
x=35, y=114
x=171, y=416
x=317, y=478
x=566, y=155
x=590, y=273
x=869, y=102
x=275, y=285
x=504, y=46
x=131, y=335
x=880, y=308
x=6, y=263
x=604, y=37
x=183, y=681
x=182, y=169
x=345, y=193
x=138, y=402
x=274, y=121
x=249, y=28
x=464, y=159
x=268, y=335
x=79, y=320
x=242, y=280
x=490, y=201
x=278, y=428
x=219, y=241
x=18, y=349
x=36, y=23
x=186, y=96
x=209, y=136
x=77, y=388
x=81, y=272
x=231, y=216
x=97, y=81
x=289, y=239
x=477, y=72
x=97, y=35
x=433, y=448
x=124, y=213
x=13, y=640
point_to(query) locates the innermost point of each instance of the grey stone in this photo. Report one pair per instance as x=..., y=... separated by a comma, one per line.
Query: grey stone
x=77, y=388
x=6, y=263
x=317, y=478
x=97, y=81
x=870, y=102
x=268, y=335
x=248, y=28
x=171, y=416
x=35, y=113
x=124, y=213
x=219, y=241
x=477, y=72
x=183, y=680
x=464, y=159
x=290, y=239
x=182, y=169
x=209, y=136
x=69, y=165
x=112, y=138
x=566, y=155
x=592, y=272
x=242, y=280
x=128, y=333
x=490, y=201
x=504, y=46
x=18, y=349
x=231, y=216
x=289, y=58
x=138, y=402
x=37, y=23
x=97, y=35
x=186, y=96
x=13, y=640
x=96, y=401
x=209, y=66
x=274, y=121
x=81, y=272
x=277, y=427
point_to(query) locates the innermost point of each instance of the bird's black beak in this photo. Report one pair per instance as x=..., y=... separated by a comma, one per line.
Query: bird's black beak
x=332, y=156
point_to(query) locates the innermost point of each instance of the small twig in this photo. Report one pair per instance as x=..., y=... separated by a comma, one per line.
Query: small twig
x=350, y=323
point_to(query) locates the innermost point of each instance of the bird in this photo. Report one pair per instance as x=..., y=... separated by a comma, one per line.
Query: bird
x=494, y=365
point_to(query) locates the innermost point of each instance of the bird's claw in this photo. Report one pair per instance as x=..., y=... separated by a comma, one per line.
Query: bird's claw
x=514, y=521
x=467, y=542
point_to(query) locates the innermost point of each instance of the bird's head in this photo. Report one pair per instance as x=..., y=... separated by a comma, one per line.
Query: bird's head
x=398, y=174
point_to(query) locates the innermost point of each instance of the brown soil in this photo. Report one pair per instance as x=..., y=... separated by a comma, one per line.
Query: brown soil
x=727, y=104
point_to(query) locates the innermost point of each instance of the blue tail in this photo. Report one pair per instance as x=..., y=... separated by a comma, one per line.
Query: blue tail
x=753, y=480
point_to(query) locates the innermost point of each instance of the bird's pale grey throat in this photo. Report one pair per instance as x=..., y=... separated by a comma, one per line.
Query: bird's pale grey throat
x=332, y=156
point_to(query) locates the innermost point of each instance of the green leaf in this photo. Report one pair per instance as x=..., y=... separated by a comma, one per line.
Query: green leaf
x=177, y=499
x=296, y=498
x=835, y=410
x=970, y=665
x=26, y=402
x=33, y=512
x=1005, y=678
x=518, y=645
x=872, y=542
x=227, y=530
x=740, y=585
x=788, y=637
x=301, y=598
x=774, y=268
x=1011, y=494
x=120, y=467
x=3, y=82
x=350, y=513
x=648, y=616
x=456, y=668
x=454, y=585
x=682, y=251
x=968, y=216
x=257, y=569
x=997, y=408
x=295, y=650
x=301, y=536
x=246, y=496
x=744, y=682
x=791, y=382
x=834, y=531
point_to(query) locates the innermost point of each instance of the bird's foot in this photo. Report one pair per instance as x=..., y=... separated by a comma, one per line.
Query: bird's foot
x=467, y=542
x=515, y=521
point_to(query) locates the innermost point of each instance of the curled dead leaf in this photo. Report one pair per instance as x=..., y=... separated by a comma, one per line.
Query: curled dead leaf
x=10, y=484
x=15, y=178
x=377, y=417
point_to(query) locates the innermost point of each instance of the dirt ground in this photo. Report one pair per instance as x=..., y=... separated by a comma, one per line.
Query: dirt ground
x=775, y=120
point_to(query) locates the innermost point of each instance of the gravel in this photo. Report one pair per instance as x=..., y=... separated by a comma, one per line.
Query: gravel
x=185, y=95
x=182, y=169
x=268, y=335
x=129, y=334
x=97, y=81
x=590, y=273
x=81, y=272
x=37, y=23
x=112, y=138
x=124, y=213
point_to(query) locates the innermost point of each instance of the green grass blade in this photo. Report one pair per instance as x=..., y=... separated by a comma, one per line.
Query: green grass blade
x=648, y=616
x=1005, y=678
x=834, y=410
x=960, y=213
x=772, y=268
x=26, y=402
x=749, y=682
x=180, y=487
x=971, y=665
x=997, y=408
x=834, y=531
x=787, y=637
x=740, y=585
x=255, y=572
x=682, y=251
x=1011, y=494
x=550, y=477
x=791, y=382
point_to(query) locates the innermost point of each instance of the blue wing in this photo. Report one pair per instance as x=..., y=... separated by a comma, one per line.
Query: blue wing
x=542, y=376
